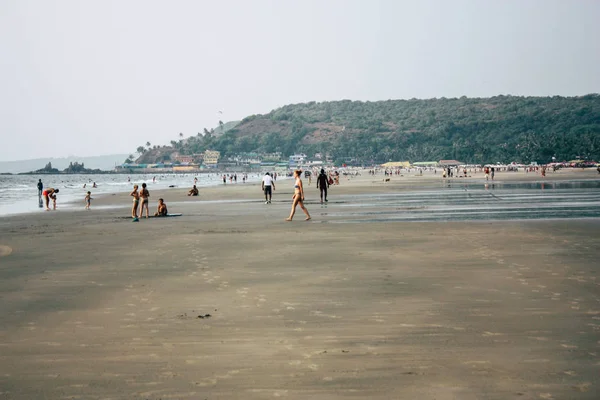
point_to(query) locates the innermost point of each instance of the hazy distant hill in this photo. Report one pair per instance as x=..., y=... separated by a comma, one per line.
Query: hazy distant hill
x=475, y=130
x=98, y=162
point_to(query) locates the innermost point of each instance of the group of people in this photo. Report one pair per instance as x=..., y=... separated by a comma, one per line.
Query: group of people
x=48, y=194
x=233, y=178
x=143, y=196
x=323, y=182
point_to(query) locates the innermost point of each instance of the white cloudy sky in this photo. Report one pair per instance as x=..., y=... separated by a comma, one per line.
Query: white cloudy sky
x=102, y=77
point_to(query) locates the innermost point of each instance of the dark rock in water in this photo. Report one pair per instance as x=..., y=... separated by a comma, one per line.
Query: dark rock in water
x=201, y=316
x=207, y=315
x=171, y=186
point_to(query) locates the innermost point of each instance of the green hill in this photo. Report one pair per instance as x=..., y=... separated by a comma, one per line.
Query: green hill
x=474, y=130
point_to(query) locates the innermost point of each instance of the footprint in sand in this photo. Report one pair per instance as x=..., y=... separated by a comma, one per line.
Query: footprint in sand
x=5, y=251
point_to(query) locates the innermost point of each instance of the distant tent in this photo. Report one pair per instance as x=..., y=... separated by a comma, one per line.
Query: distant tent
x=396, y=164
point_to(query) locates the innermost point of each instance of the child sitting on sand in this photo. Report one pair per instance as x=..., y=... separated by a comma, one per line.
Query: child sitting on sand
x=162, y=209
x=193, y=191
x=88, y=200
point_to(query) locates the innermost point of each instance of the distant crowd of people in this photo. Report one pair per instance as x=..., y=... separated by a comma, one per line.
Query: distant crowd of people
x=323, y=182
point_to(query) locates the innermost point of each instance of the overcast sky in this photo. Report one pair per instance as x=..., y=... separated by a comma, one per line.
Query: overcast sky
x=102, y=77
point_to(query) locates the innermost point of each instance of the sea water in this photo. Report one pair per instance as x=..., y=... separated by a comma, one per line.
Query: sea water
x=19, y=193
x=468, y=201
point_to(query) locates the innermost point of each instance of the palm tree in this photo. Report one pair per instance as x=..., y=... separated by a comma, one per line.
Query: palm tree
x=141, y=149
x=206, y=132
x=221, y=125
x=148, y=144
x=181, y=135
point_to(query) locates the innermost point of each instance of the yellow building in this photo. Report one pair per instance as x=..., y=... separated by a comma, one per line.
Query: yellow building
x=211, y=157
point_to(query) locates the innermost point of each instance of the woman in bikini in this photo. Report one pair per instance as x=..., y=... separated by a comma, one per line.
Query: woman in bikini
x=144, y=195
x=298, y=198
x=136, y=201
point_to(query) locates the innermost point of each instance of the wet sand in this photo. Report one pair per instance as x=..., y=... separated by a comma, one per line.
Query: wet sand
x=94, y=306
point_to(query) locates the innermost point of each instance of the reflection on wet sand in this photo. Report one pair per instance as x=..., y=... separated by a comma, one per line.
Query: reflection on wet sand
x=456, y=201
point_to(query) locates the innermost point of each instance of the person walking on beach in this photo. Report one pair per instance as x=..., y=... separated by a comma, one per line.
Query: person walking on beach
x=298, y=198
x=40, y=187
x=144, y=195
x=50, y=193
x=323, y=185
x=88, y=200
x=136, y=202
x=267, y=186
x=493, y=172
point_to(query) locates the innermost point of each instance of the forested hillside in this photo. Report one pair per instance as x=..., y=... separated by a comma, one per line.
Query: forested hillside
x=474, y=130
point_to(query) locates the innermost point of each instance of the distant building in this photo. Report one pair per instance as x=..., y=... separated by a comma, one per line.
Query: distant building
x=274, y=157
x=246, y=158
x=297, y=159
x=185, y=159
x=211, y=158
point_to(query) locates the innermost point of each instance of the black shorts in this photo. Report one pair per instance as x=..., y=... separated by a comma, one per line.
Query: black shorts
x=268, y=190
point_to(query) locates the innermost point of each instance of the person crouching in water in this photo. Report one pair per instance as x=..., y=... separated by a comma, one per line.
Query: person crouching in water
x=298, y=198
x=193, y=191
x=48, y=194
x=162, y=209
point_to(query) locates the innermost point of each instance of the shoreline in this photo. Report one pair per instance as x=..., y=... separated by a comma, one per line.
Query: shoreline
x=349, y=185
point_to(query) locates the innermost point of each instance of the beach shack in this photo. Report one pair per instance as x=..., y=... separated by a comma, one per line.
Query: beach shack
x=396, y=164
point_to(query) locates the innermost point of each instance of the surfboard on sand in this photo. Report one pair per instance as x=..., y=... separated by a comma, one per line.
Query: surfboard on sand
x=168, y=215
x=152, y=216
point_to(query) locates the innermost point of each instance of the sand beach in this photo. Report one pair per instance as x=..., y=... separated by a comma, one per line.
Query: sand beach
x=229, y=301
